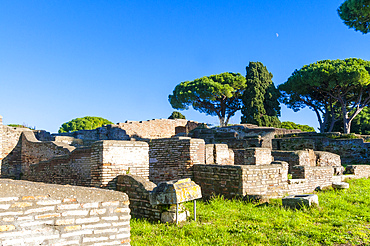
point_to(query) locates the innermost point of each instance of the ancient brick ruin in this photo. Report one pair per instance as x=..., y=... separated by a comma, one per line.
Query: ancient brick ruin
x=134, y=157
x=43, y=214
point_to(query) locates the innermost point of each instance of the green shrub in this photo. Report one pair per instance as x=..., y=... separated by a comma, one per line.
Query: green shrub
x=85, y=123
x=292, y=125
x=176, y=115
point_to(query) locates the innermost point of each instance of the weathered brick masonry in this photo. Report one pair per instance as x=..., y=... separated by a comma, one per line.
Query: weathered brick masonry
x=111, y=158
x=60, y=163
x=256, y=175
x=44, y=214
x=138, y=189
x=157, y=128
x=351, y=151
x=173, y=158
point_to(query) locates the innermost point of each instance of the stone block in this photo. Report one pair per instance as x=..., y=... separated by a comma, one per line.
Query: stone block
x=176, y=191
x=340, y=185
x=253, y=156
x=299, y=201
x=169, y=216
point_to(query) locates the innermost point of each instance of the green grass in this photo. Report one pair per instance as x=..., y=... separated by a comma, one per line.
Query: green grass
x=343, y=218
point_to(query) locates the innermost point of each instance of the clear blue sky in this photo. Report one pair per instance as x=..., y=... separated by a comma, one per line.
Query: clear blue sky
x=120, y=60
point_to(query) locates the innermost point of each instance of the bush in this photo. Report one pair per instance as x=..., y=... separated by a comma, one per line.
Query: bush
x=85, y=123
x=176, y=115
x=292, y=125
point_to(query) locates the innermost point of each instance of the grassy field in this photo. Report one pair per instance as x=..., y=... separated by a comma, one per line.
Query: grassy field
x=343, y=218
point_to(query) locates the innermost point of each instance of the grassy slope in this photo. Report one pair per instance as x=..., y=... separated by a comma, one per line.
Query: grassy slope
x=343, y=218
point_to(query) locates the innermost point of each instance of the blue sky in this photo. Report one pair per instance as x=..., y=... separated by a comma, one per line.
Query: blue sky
x=120, y=60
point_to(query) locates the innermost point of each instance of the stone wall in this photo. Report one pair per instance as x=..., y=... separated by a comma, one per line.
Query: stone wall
x=307, y=158
x=360, y=171
x=173, y=158
x=41, y=214
x=350, y=150
x=88, y=137
x=240, y=136
x=138, y=189
x=157, y=128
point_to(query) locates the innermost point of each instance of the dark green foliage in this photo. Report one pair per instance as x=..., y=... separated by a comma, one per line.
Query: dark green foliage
x=331, y=88
x=360, y=124
x=356, y=14
x=260, y=99
x=292, y=125
x=216, y=95
x=85, y=123
x=176, y=115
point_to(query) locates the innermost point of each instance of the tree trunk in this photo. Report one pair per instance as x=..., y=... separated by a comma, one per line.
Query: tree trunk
x=347, y=126
x=222, y=121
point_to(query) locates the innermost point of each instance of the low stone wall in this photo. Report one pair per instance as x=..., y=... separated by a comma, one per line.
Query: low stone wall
x=41, y=214
x=239, y=181
x=173, y=158
x=350, y=150
x=267, y=180
x=270, y=181
x=241, y=136
x=307, y=158
x=360, y=171
x=138, y=189
x=225, y=180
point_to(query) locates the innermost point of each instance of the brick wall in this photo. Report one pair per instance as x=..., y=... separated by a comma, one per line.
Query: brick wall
x=59, y=163
x=41, y=214
x=138, y=189
x=29, y=151
x=223, y=180
x=360, y=171
x=157, y=128
x=234, y=181
x=72, y=169
x=267, y=180
x=263, y=180
x=111, y=158
x=253, y=156
x=173, y=158
x=9, y=137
